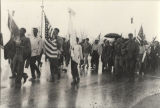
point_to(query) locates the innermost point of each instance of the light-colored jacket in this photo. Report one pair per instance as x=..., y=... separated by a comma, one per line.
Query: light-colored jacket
x=36, y=45
x=97, y=47
x=76, y=53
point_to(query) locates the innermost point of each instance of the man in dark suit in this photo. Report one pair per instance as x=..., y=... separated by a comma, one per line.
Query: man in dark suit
x=132, y=55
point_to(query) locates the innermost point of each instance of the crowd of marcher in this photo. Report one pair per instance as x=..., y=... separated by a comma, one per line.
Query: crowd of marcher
x=128, y=57
x=122, y=57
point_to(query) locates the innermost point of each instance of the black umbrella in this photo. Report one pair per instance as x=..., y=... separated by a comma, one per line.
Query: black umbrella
x=112, y=35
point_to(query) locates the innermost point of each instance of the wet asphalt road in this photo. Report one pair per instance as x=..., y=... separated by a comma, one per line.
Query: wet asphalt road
x=94, y=91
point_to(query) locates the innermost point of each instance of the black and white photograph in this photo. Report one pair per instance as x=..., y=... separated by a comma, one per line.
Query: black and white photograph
x=79, y=54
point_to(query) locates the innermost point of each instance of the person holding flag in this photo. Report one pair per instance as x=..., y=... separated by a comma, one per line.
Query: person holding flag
x=53, y=47
x=22, y=52
x=18, y=50
x=8, y=48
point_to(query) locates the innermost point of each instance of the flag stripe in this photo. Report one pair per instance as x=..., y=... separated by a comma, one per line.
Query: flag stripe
x=50, y=55
x=50, y=51
x=140, y=38
x=50, y=46
x=51, y=43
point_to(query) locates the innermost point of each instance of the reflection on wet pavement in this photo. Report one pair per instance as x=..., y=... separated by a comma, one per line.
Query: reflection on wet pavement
x=96, y=90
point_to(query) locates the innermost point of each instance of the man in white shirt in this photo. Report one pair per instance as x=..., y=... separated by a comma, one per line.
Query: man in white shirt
x=76, y=56
x=36, y=47
x=96, y=52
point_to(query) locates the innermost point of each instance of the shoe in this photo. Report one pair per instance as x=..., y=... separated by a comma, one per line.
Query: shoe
x=78, y=80
x=18, y=86
x=32, y=79
x=25, y=78
x=73, y=82
x=38, y=76
x=83, y=66
x=40, y=64
x=51, y=80
x=64, y=70
x=87, y=67
x=13, y=76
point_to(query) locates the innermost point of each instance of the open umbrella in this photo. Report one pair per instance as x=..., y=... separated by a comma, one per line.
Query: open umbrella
x=112, y=35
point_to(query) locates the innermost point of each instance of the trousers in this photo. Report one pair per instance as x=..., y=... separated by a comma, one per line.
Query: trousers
x=18, y=68
x=74, y=70
x=34, y=67
x=95, y=59
x=54, y=67
x=86, y=59
x=131, y=65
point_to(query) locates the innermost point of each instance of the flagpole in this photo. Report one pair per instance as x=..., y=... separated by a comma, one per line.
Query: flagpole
x=42, y=7
x=69, y=24
x=69, y=28
x=135, y=32
x=0, y=47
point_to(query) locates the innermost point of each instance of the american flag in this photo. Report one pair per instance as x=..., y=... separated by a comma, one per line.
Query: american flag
x=50, y=43
x=12, y=25
x=141, y=37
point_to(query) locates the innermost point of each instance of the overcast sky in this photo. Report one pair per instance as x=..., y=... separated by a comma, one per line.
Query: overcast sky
x=92, y=17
